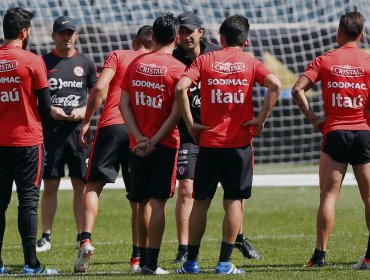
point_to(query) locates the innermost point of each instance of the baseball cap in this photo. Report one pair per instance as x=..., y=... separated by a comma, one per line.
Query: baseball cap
x=63, y=23
x=190, y=20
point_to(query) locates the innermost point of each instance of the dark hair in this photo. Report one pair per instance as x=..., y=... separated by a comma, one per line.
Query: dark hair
x=144, y=36
x=166, y=28
x=235, y=30
x=14, y=21
x=352, y=23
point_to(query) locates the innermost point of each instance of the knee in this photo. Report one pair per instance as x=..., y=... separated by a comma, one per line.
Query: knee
x=185, y=189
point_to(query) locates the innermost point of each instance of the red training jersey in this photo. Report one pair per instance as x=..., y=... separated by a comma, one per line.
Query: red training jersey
x=150, y=80
x=227, y=78
x=21, y=73
x=345, y=80
x=118, y=62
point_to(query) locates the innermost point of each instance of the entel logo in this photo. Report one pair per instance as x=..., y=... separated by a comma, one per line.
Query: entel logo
x=151, y=69
x=228, y=68
x=347, y=71
x=8, y=65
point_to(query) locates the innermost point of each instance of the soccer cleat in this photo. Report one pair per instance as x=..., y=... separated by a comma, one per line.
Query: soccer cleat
x=3, y=270
x=158, y=271
x=135, y=265
x=246, y=249
x=315, y=262
x=83, y=257
x=43, y=245
x=41, y=270
x=181, y=257
x=362, y=264
x=189, y=267
x=228, y=268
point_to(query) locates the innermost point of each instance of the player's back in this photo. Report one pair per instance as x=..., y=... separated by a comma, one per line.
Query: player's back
x=22, y=73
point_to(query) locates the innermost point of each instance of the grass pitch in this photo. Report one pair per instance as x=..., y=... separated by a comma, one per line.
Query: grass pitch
x=279, y=221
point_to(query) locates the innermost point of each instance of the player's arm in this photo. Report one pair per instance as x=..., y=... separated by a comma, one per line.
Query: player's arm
x=181, y=92
x=43, y=103
x=273, y=85
x=128, y=116
x=302, y=85
x=96, y=96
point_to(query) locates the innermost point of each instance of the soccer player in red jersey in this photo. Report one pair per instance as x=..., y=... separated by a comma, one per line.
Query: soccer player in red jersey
x=345, y=79
x=71, y=75
x=191, y=45
x=150, y=111
x=24, y=102
x=224, y=135
x=111, y=144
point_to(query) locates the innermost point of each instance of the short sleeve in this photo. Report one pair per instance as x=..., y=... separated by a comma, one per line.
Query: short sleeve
x=111, y=61
x=40, y=78
x=313, y=70
x=261, y=71
x=193, y=71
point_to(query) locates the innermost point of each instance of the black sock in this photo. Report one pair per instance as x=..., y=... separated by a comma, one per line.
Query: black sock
x=239, y=238
x=30, y=257
x=193, y=252
x=143, y=256
x=152, y=259
x=135, y=252
x=84, y=236
x=182, y=248
x=318, y=254
x=1, y=262
x=79, y=237
x=47, y=236
x=367, y=255
x=225, y=252
x=1, y=249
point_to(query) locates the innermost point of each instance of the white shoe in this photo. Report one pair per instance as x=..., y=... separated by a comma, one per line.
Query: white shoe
x=361, y=264
x=83, y=257
x=43, y=245
x=158, y=271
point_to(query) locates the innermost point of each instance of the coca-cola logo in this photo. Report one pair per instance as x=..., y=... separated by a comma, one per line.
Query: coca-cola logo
x=347, y=71
x=228, y=68
x=151, y=69
x=195, y=103
x=66, y=101
x=8, y=65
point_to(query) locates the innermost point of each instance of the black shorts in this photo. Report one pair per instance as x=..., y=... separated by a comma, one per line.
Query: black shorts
x=349, y=146
x=232, y=167
x=186, y=162
x=24, y=165
x=109, y=150
x=62, y=147
x=153, y=176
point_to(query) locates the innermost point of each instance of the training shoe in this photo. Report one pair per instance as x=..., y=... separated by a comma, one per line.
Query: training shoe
x=135, y=265
x=228, y=268
x=181, y=257
x=247, y=250
x=83, y=257
x=3, y=270
x=189, y=267
x=42, y=270
x=362, y=264
x=315, y=262
x=43, y=245
x=158, y=271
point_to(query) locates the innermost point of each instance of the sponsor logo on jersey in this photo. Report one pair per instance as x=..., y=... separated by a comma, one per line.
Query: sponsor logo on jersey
x=346, y=85
x=151, y=69
x=145, y=100
x=181, y=170
x=347, y=71
x=10, y=80
x=11, y=96
x=78, y=71
x=346, y=101
x=228, y=68
x=228, y=82
x=55, y=84
x=8, y=65
x=217, y=96
x=147, y=84
x=66, y=101
x=196, y=102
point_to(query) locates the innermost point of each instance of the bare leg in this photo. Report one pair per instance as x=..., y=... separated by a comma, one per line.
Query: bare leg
x=362, y=174
x=49, y=203
x=90, y=205
x=331, y=177
x=78, y=196
x=232, y=220
x=198, y=220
